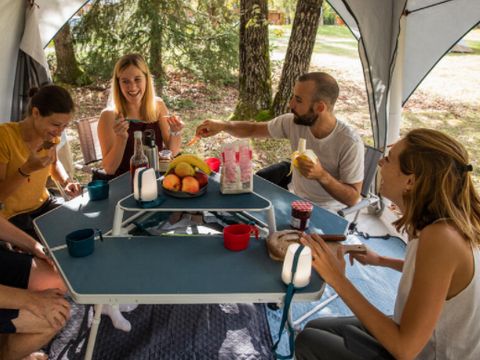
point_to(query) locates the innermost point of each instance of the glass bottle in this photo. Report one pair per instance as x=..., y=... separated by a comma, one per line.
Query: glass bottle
x=139, y=159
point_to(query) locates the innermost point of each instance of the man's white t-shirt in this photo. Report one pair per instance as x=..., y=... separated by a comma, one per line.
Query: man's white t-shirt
x=341, y=153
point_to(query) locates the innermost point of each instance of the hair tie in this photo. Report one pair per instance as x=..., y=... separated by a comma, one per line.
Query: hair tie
x=468, y=168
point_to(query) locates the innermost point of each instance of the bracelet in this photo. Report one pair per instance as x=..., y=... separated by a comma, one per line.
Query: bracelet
x=23, y=174
x=176, y=133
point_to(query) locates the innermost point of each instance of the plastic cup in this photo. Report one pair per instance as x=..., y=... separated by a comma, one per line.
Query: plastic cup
x=237, y=237
x=213, y=163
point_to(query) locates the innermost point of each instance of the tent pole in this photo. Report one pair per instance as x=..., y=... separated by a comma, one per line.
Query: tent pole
x=396, y=89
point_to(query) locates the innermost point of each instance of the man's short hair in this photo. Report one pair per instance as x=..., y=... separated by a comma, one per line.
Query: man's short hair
x=326, y=87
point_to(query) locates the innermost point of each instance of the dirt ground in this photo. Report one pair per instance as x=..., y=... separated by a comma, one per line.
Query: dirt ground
x=448, y=100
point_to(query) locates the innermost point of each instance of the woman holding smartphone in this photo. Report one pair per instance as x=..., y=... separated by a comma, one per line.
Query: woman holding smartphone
x=427, y=174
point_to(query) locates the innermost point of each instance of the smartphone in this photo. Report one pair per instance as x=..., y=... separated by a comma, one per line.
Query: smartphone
x=357, y=248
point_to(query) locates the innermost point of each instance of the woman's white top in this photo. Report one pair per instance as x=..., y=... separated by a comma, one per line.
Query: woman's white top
x=457, y=333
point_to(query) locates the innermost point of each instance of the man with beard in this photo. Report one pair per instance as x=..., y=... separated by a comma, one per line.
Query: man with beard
x=335, y=179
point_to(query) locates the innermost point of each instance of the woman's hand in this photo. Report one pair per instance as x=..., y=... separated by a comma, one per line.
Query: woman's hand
x=35, y=162
x=73, y=188
x=120, y=127
x=176, y=124
x=368, y=258
x=330, y=266
x=51, y=306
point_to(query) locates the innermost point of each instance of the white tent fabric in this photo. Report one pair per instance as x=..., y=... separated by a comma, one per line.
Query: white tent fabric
x=52, y=14
x=429, y=29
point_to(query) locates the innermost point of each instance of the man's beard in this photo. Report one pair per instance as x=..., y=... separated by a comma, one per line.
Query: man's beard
x=306, y=120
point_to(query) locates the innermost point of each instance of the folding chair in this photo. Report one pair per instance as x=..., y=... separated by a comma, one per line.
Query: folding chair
x=369, y=198
x=89, y=143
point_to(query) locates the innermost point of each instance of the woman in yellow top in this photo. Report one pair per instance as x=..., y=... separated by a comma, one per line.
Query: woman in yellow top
x=135, y=108
x=28, y=157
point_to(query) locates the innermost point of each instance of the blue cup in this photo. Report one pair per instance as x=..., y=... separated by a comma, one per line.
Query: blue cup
x=98, y=190
x=81, y=242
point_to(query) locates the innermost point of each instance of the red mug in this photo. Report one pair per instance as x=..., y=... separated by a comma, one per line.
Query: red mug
x=236, y=237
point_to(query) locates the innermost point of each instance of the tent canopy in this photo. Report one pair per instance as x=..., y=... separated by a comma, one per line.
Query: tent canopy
x=400, y=41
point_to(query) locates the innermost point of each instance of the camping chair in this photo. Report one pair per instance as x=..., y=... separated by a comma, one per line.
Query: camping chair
x=89, y=143
x=369, y=199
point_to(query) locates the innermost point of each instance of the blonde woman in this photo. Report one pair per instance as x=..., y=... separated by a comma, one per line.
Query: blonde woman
x=437, y=310
x=135, y=108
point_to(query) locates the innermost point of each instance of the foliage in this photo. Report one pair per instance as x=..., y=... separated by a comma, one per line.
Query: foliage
x=328, y=14
x=185, y=35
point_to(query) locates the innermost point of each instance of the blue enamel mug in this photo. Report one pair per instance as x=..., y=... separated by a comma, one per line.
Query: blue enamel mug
x=81, y=242
x=98, y=190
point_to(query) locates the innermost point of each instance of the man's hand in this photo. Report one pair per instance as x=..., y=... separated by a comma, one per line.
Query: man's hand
x=311, y=170
x=210, y=128
x=51, y=306
x=39, y=251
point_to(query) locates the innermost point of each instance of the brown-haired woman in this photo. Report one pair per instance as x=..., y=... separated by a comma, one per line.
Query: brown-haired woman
x=135, y=108
x=28, y=157
x=437, y=311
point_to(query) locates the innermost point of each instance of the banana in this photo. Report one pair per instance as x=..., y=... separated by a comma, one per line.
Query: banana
x=303, y=154
x=193, y=160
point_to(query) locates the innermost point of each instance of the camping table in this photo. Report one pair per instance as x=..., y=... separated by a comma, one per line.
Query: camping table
x=212, y=200
x=169, y=269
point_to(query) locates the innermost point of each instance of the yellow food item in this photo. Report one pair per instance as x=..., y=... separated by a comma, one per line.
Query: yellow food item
x=191, y=159
x=302, y=153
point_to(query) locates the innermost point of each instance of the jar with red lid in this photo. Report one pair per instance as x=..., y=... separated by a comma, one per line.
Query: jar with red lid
x=301, y=212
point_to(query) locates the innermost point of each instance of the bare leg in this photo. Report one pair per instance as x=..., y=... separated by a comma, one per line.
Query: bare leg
x=44, y=276
x=24, y=345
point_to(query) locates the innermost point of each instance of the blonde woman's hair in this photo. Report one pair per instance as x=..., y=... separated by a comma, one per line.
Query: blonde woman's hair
x=148, y=107
x=443, y=187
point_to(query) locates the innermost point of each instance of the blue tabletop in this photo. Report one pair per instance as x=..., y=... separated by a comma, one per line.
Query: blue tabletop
x=151, y=269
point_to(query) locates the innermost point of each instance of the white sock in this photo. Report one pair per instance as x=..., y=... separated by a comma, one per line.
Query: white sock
x=127, y=307
x=118, y=321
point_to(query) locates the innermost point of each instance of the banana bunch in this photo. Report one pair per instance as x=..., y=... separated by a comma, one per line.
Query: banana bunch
x=191, y=159
x=302, y=153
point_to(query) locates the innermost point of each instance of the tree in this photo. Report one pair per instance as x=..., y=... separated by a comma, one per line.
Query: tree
x=68, y=70
x=299, y=51
x=255, y=92
x=175, y=33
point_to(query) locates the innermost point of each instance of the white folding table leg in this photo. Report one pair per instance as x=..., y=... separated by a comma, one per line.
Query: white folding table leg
x=117, y=221
x=272, y=225
x=97, y=316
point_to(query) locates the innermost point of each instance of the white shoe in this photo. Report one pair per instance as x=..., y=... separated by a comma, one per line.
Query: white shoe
x=118, y=321
x=127, y=307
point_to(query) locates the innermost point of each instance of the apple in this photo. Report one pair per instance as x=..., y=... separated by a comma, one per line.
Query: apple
x=202, y=178
x=184, y=169
x=190, y=184
x=172, y=182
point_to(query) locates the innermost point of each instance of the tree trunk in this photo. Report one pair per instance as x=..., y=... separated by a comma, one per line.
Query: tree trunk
x=299, y=51
x=156, y=44
x=255, y=91
x=67, y=66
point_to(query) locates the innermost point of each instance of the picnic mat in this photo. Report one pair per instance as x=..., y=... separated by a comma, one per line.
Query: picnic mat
x=174, y=332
